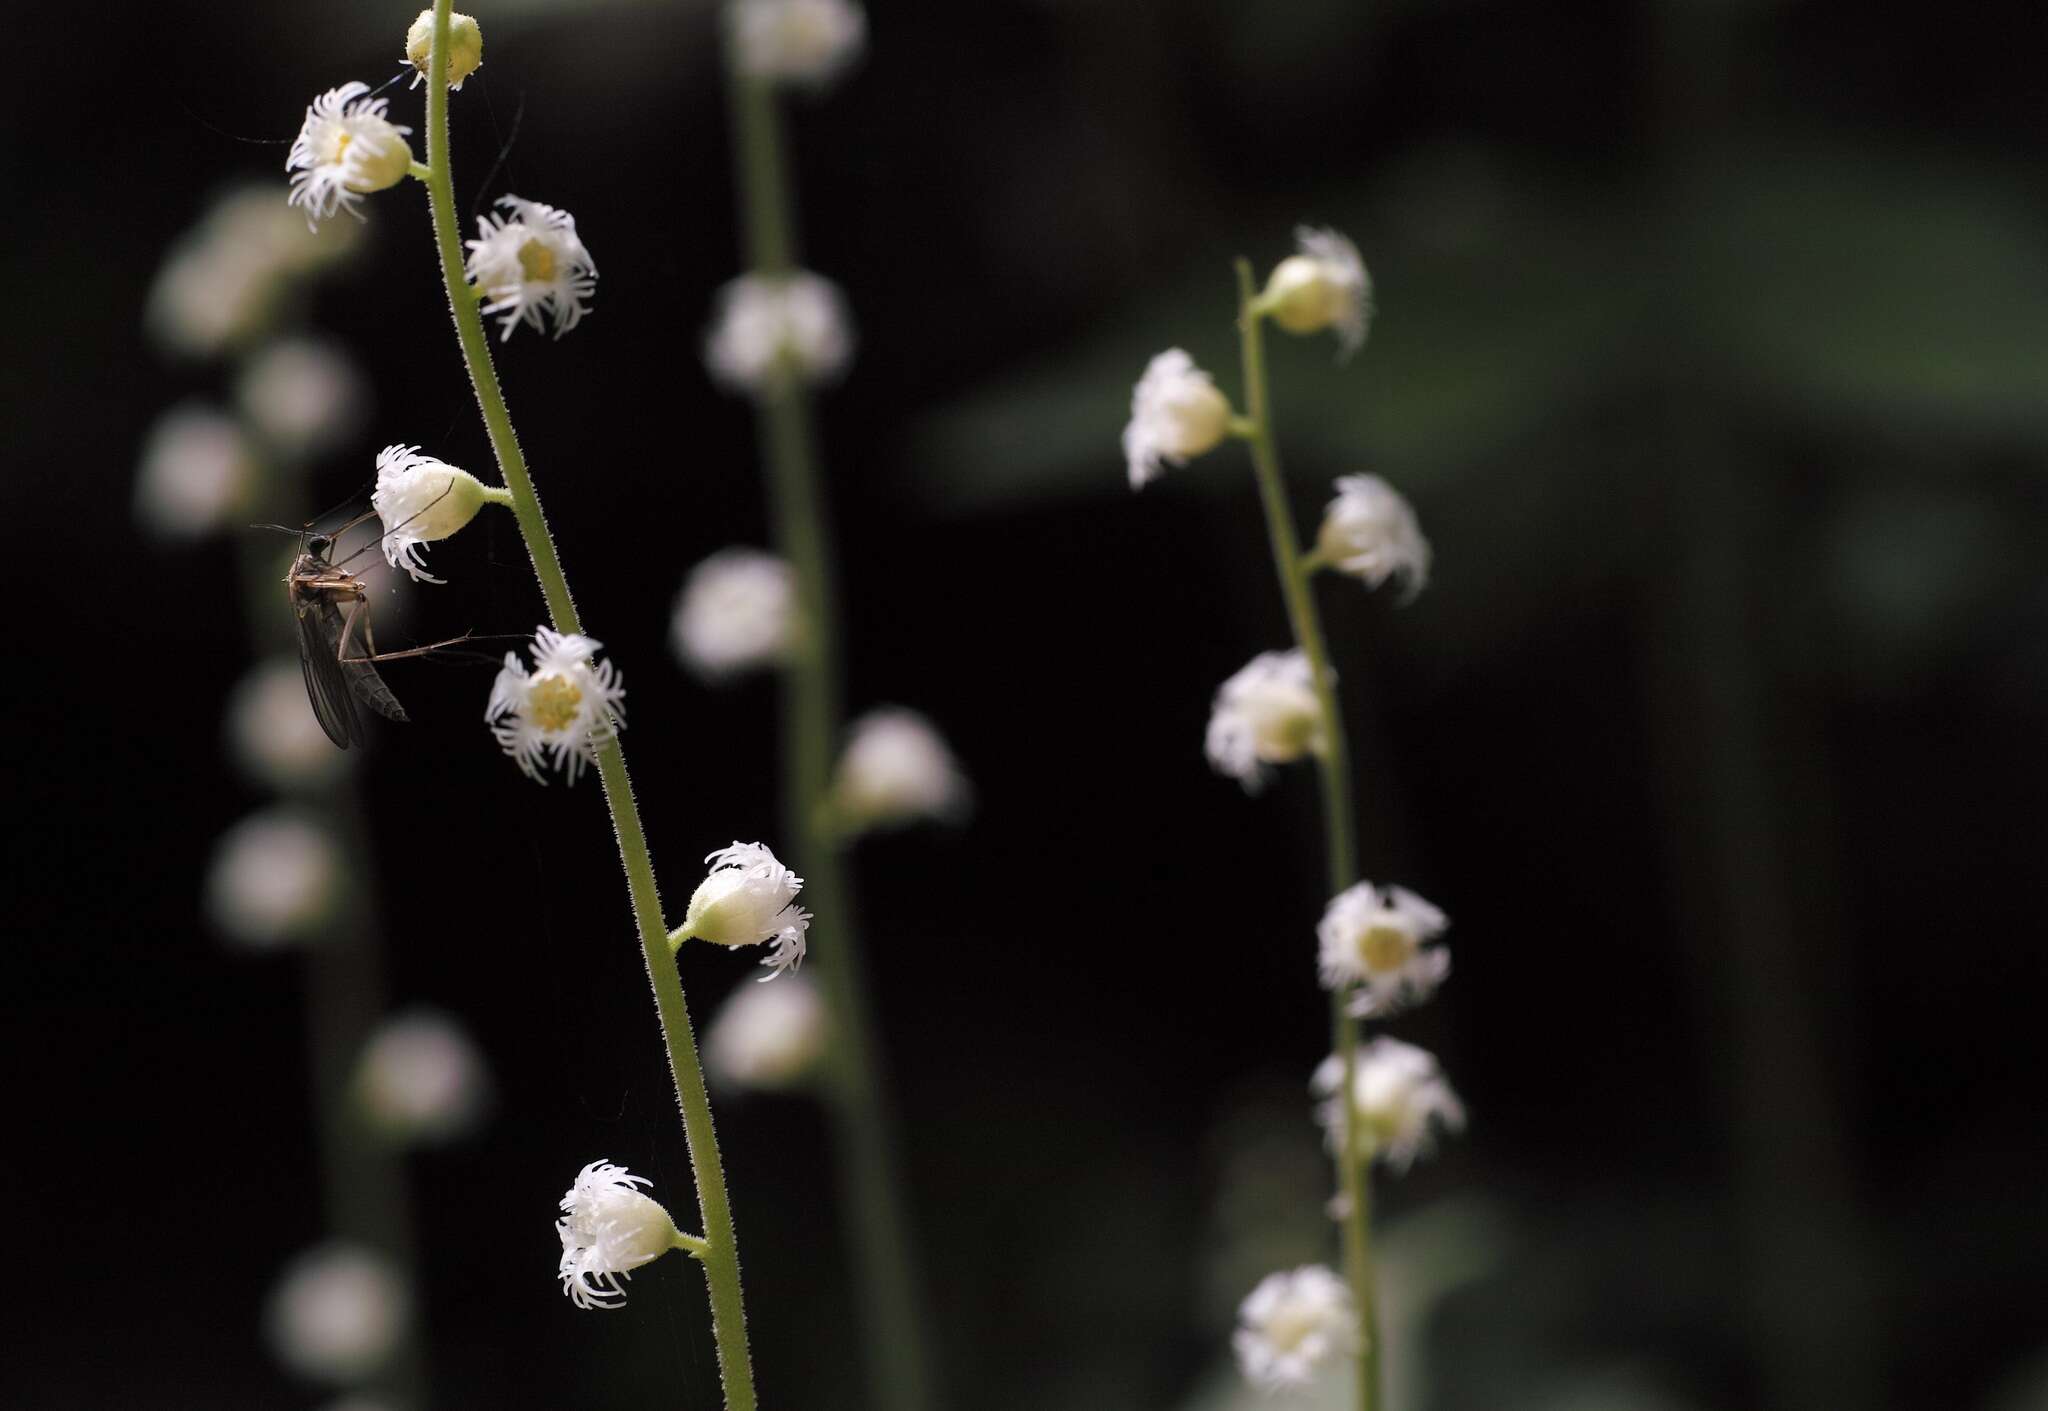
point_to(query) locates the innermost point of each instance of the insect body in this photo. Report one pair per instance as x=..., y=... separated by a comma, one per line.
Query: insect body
x=328, y=602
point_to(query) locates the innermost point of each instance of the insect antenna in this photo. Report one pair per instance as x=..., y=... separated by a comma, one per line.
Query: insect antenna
x=369, y=514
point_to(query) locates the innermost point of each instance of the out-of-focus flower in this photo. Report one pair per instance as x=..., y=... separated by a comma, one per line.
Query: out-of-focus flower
x=1176, y=413
x=1370, y=532
x=1323, y=285
x=421, y=1078
x=567, y=706
x=1266, y=714
x=421, y=499
x=273, y=880
x=465, y=47
x=770, y=1038
x=273, y=733
x=532, y=266
x=302, y=396
x=749, y=900
x=1291, y=1324
x=338, y=1313
x=896, y=769
x=345, y=149
x=1399, y=1096
x=608, y=1230
x=736, y=612
x=197, y=470
x=1378, y=939
x=768, y=324
x=796, y=41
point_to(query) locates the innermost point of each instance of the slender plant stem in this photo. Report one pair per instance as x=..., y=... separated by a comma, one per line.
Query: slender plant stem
x=898, y=1356
x=1333, y=769
x=720, y=1252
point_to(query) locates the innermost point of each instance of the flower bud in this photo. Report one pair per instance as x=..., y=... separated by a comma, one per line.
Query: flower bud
x=749, y=900
x=1176, y=413
x=1322, y=286
x=1370, y=532
x=465, y=47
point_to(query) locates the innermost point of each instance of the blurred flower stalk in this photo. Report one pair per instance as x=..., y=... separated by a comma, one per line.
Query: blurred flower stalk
x=1379, y=1101
x=780, y=331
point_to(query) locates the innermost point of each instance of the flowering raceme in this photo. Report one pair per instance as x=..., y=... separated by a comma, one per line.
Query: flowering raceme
x=531, y=265
x=345, y=148
x=565, y=707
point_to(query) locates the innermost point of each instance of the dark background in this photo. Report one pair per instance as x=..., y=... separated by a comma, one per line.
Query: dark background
x=1711, y=353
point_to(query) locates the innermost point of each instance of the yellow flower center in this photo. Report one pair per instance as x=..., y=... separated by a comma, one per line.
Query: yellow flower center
x=1290, y=1326
x=553, y=702
x=337, y=146
x=537, y=261
x=1386, y=948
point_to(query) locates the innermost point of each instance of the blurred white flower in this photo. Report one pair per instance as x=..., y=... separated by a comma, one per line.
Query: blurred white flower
x=345, y=148
x=197, y=470
x=357, y=1403
x=1291, y=1324
x=273, y=733
x=465, y=47
x=1266, y=714
x=566, y=707
x=770, y=1038
x=1322, y=286
x=1399, y=1096
x=421, y=499
x=421, y=1078
x=1176, y=413
x=301, y=395
x=1370, y=532
x=338, y=1313
x=749, y=900
x=220, y=285
x=608, y=1230
x=736, y=612
x=799, y=41
x=1377, y=938
x=896, y=769
x=768, y=323
x=532, y=266
x=273, y=880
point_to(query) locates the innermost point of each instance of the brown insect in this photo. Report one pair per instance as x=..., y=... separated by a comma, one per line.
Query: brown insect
x=332, y=609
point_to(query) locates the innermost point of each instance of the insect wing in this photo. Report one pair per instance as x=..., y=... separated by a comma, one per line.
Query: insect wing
x=371, y=690
x=326, y=686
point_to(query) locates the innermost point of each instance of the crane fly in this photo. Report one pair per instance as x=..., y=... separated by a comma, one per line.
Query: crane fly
x=332, y=609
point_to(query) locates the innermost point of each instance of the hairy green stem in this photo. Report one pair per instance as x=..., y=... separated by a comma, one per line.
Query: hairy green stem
x=1333, y=768
x=720, y=1252
x=899, y=1361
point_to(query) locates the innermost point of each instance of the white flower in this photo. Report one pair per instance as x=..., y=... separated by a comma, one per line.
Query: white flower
x=421, y=499
x=420, y=1078
x=197, y=469
x=896, y=769
x=1176, y=413
x=768, y=1038
x=1323, y=286
x=273, y=733
x=1370, y=532
x=1291, y=1324
x=465, y=47
x=1266, y=714
x=222, y=282
x=737, y=611
x=532, y=266
x=1398, y=1094
x=566, y=707
x=338, y=1313
x=767, y=323
x=804, y=41
x=301, y=396
x=273, y=879
x=748, y=900
x=608, y=1230
x=1377, y=938
x=345, y=148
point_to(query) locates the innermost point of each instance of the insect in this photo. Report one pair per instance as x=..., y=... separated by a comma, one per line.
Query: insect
x=331, y=607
